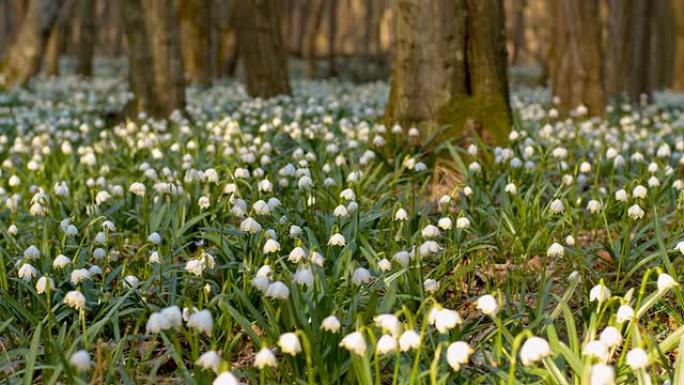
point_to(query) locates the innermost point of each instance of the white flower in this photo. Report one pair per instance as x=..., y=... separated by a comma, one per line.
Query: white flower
x=665, y=282
x=277, y=290
x=361, y=276
x=80, y=361
x=209, y=360
x=355, y=343
x=556, y=250
x=201, y=321
x=337, y=239
x=462, y=223
x=602, y=374
x=409, y=340
x=534, y=349
x=430, y=285
x=289, y=343
x=488, y=305
x=341, y=211
x=594, y=206
x=430, y=231
x=27, y=272
x=621, y=195
x=154, y=238
x=389, y=323
x=304, y=276
x=599, y=293
x=637, y=358
x=384, y=265
x=156, y=323
x=61, y=262
x=296, y=255
x=680, y=247
x=331, y=324
x=635, y=212
x=271, y=246
x=251, y=226
x=596, y=349
x=43, y=283
x=75, y=299
x=264, y=358
x=137, y=188
x=557, y=206
x=402, y=258
x=102, y=197
x=226, y=378
x=203, y=202
x=132, y=281
x=458, y=354
x=511, y=189
x=444, y=319
x=348, y=194
x=611, y=336
x=401, y=215
x=386, y=344
x=640, y=192
x=32, y=252
x=624, y=313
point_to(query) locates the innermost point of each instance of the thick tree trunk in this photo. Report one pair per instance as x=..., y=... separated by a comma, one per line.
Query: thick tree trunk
x=155, y=67
x=450, y=68
x=86, y=37
x=312, y=30
x=662, y=45
x=25, y=56
x=678, y=70
x=261, y=46
x=628, y=54
x=53, y=51
x=575, y=62
x=195, y=40
x=332, y=35
x=518, y=30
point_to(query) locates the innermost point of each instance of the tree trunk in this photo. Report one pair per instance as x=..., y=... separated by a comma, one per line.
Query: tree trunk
x=27, y=51
x=449, y=68
x=53, y=51
x=332, y=35
x=261, y=46
x=628, y=55
x=662, y=45
x=155, y=66
x=678, y=70
x=86, y=37
x=518, y=30
x=575, y=62
x=195, y=40
x=312, y=30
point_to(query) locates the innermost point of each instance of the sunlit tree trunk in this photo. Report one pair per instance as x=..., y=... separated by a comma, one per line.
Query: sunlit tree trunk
x=678, y=70
x=575, y=62
x=86, y=37
x=312, y=30
x=332, y=35
x=449, y=68
x=195, y=16
x=261, y=46
x=24, y=58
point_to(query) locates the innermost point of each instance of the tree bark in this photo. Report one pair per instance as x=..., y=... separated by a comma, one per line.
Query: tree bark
x=26, y=53
x=449, y=68
x=261, y=46
x=332, y=35
x=518, y=30
x=155, y=65
x=662, y=45
x=678, y=70
x=86, y=37
x=195, y=40
x=312, y=30
x=575, y=62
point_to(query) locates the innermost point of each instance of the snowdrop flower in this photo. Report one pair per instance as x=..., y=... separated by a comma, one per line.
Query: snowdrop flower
x=331, y=324
x=12, y=230
x=386, y=344
x=596, y=349
x=201, y=321
x=27, y=272
x=277, y=290
x=156, y=323
x=296, y=255
x=402, y=258
x=251, y=226
x=361, y=276
x=462, y=223
x=665, y=282
x=384, y=265
x=624, y=313
x=132, y=281
x=557, y=206
x=430, y=231
x=430, y=285
x=444, y=319
x=102, y=197
x=32, y=252
x=602, y=374
x=444, y=223
x=621, y=195
x=209, y=360
x=635, y=212
x=137, y=188
x=640, y=192
x=474, y=167
x=428, y=248
x=304, y=276
x=556, y=250
x=680, y=247
x=265, y=358
x=61, y=262
x=43, y=284
x=611, y=336
x=225, y=378
x=154, y=257
x=599, y=293
x=271, y=246
x=467, y=191
x=348, y=194
x=388, y=323
x=488, y=305
x=80, y=361
x=401, y=215
x=75, y=299
x=458, y=353
x=409, y=340
x=154, y=238
x=594, y=206
x=355, y=343
x=203, y=202
x=570, y=240
x=637, y=358
x=341, y=211
x=511, y=189
x=337, y=239
x=289, y=344
x=534, y=349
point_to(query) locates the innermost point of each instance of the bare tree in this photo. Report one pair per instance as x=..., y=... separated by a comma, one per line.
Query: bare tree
x=678, y=70
x=86, y=37
x=26, y=53
x=450, y=68
x=332, y=35
x=195, y=40
x=312, y=29
x=261, y=46
x=575, y=62
x=155, y=66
